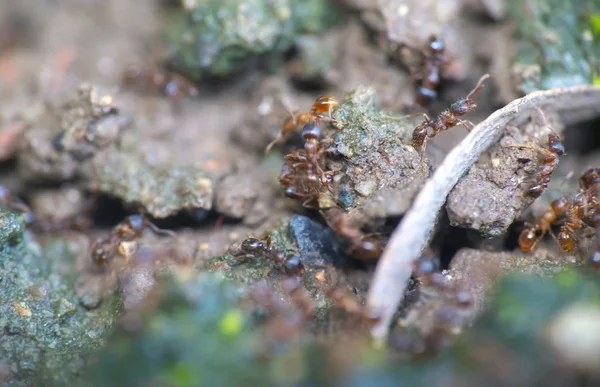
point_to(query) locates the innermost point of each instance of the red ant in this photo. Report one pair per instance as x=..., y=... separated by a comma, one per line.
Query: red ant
x=122, y=238
x=253, y=248
x=166, y=82
x=323, y=104
x=548, y=163
x=584, y=200
x=361, y=246
x=429, y=75
x=303, y=176
x=574, y=212
x=448, y=118
x=532, y=233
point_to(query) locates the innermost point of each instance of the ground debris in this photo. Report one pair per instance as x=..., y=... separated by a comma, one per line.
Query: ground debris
x=245, y=195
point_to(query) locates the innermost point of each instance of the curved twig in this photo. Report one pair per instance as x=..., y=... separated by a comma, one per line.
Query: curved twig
x=411, y=236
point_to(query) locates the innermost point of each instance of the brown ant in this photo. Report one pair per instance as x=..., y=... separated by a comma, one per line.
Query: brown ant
x=448, y=118
x=253, y=248
x=361, y=246
x=168, y=83
x=323, y=104
x=122, y=239
x=429, y=75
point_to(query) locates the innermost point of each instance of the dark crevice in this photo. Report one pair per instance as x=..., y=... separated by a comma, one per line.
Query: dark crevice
x=583, y=138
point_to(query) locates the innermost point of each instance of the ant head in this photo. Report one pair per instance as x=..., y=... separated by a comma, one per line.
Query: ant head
x=589, y=178
x=560, y=205
x=463, y=106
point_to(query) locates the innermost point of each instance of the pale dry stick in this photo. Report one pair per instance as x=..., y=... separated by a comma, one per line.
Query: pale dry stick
x=412, y=235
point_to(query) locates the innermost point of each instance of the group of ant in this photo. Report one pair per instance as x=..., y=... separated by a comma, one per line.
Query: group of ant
x=582, y=211
x=304, y=174
x=285, y=321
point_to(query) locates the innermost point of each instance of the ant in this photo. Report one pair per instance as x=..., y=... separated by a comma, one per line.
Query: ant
x=123, y=238
x=532, y=233
x=429, y=75
x=361, y=246
x=253, y=248
x=548, y=163
x=13, y=203
x=586, y=198
x=575, y=214
x=303, y=175
x=347, y=300
x=323, y=104
x=168, y=83
x=448, y=118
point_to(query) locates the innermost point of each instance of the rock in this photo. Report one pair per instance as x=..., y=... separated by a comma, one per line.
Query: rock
x=318, y=245
x=46, y=336
x=477, y=271
x=374, y=154
x=61, y=137
x=216, y=38
x=493, y=194
x=161, y=190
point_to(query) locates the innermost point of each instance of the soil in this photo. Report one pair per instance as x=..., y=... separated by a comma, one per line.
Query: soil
x=80, y=149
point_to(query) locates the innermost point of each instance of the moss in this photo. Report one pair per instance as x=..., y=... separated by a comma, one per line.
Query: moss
x=559, y=45
x=47, y=334
x=216, y=38
x=196, y=337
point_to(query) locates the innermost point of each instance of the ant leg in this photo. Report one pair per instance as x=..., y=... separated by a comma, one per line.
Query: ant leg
x=423, y=147
x=468, y=125
x=275, y=141
x=161, y=231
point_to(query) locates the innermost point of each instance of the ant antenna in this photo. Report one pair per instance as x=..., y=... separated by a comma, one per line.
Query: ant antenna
x=479, y=86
